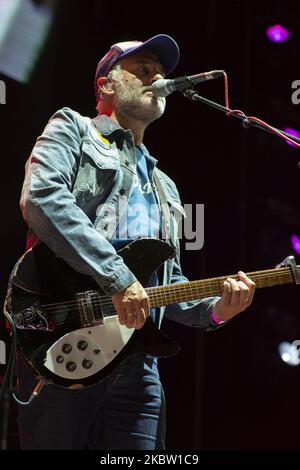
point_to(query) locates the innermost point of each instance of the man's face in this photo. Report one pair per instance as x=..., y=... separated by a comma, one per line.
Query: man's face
x=133, y=94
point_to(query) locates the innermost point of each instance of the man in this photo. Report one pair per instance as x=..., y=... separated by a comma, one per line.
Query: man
x=79, y=171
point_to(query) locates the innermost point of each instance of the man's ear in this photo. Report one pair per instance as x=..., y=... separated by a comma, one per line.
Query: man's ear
x=105, y=86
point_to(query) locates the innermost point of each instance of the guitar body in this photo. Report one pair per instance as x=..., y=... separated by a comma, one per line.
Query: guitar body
x=67, y=328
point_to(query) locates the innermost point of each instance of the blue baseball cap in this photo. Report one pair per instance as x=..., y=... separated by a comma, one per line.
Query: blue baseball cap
x=162, y=45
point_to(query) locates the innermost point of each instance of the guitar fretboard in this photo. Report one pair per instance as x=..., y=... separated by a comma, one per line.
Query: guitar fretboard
x=174, y=293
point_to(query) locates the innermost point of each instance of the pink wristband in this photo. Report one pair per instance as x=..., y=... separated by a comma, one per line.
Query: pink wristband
x=215, y=318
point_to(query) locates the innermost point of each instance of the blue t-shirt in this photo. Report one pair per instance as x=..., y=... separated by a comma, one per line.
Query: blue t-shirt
x=142, y=217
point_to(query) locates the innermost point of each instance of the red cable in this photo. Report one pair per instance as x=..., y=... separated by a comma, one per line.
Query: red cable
x=253, y=118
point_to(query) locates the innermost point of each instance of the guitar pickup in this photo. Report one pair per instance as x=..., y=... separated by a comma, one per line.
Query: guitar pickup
x=90, y=309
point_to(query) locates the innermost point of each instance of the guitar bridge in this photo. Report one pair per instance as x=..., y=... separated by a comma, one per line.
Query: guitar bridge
x=90, y=310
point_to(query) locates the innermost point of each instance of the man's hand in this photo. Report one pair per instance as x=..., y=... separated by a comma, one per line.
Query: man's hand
x=132, y=305
x=236, y=297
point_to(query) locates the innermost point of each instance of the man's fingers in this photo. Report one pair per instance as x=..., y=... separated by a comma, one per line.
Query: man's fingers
x=138, y=318
x=146, y=307
x=238, y=294
x=126, y=313
x=244, y=295
x=250, y=284
x=234, y=293
x=226, y=295
x=121, y=311
x=130, y=320
x=132, y=306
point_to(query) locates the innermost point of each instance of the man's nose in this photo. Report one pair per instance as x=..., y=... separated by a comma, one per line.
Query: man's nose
x=157, y=76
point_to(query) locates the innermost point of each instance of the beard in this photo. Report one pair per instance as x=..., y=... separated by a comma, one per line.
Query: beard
x=132, y=102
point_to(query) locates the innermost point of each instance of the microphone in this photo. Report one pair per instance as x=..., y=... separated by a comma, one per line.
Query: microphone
x=163, y=86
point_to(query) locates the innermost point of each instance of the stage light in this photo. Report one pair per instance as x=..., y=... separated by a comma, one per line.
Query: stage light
x=24, y=27
x=289, y=353
x=277, y=33
x=295, y=240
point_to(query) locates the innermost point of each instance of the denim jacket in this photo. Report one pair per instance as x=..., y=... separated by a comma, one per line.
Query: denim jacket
x=75, y=179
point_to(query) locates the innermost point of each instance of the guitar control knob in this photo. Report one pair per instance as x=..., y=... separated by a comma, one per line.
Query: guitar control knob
x=82, y=345
x=87, y=363
x=66, y=348
x=97, y=351
x=71, y=366
x=60, y=359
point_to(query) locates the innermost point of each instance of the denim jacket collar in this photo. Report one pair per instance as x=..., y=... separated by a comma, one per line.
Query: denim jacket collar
x=108, y=126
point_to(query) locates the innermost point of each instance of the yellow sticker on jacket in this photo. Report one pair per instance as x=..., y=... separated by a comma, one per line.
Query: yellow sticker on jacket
x=100, y=140
x=104, y=141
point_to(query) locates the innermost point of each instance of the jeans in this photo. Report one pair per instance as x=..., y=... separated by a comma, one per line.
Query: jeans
x=125, y=411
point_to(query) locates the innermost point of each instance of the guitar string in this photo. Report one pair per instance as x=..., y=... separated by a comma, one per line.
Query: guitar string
x=163, y=290
x=62, y=320
x=193, y=285
x=154, y=296
x=110, y=310
x=190, y=285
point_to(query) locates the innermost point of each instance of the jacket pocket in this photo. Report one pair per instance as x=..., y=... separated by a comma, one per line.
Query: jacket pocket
x=96, y=174
x=101, y=158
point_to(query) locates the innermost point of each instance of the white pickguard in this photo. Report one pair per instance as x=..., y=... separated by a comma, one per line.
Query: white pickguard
x=102, y=343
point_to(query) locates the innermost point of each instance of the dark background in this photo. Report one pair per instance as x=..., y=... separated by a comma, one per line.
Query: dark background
x=228, y=389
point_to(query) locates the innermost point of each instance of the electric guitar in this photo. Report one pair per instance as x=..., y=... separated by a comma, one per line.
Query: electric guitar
x=68, y=329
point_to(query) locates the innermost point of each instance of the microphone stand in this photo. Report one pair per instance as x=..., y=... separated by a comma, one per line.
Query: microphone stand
x=192, y=95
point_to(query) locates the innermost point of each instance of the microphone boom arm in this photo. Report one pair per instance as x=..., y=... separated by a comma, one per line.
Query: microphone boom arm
x=192, y=95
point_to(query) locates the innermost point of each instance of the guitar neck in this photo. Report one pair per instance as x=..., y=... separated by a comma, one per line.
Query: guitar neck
x=175, y=293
